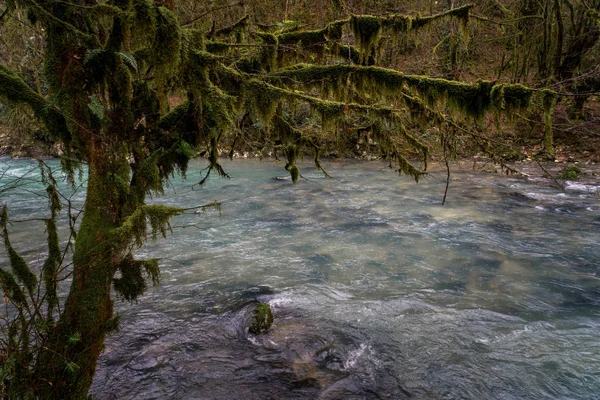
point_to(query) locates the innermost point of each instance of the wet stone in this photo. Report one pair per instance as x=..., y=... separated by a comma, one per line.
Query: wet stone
x=263, y=319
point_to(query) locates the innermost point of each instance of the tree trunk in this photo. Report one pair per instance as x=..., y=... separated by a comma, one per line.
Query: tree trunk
x=75, y=345
x=560, y=34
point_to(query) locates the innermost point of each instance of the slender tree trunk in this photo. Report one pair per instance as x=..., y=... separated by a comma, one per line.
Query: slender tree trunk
x=560, y=34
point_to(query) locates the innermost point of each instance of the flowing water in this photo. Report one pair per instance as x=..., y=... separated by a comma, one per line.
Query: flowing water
x=379, y=291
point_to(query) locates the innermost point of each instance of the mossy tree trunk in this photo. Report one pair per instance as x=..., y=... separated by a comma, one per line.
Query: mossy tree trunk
x=75, y=344
x=79, y=336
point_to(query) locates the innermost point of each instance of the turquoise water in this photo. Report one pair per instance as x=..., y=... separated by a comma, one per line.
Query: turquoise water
x=379, y=291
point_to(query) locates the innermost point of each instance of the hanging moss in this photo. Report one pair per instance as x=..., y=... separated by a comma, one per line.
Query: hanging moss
x=416, y=144
x=471, y=100
x=308, y=38
x=351, y=53
x=18, y=265
x=366, y=29
x=268, y=57
x=404, y=166
x=398, y=24
x=291, y=153
x=420, y=112
x=146, y=178
x=204, y=58
x=13, y=90
x=50, y=268
x=335, y=30
x=172, y=119
x=135, y=227
x=217, y=109
x=11, y=289
x=261, y=99
x=164, y=54
x=145, y=104
x=461, y=13
x=216, y=47
x=512, y=97
x=132, y=282
x=144, y=22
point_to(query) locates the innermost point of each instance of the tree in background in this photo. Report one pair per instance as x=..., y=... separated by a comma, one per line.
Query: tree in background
x=134, y=92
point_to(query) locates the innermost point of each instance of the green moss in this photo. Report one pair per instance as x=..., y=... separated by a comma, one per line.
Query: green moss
x=335, y=30
x=144, y=22
x=145, y=104
x=132, y=282
x=471, y=100
x=571, y=173
x=352, y=54
x=51, y=265
x=167, y=41
x=308, y=38
x=366, y=29
x=291, y=153
x=13, y=90
x=262, y=99
x=11, y=289
x=512, y=97
x=204, y=58
x=217, y=47
x=404, y=166
x=135, y=227
x=268, y=58
x=18, y=265
x=263, y=319
x=172, y=119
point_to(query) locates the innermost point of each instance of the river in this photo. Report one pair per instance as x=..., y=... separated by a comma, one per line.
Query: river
x=379, y=291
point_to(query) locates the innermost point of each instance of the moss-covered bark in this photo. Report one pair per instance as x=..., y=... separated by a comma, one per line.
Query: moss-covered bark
x=88, y=312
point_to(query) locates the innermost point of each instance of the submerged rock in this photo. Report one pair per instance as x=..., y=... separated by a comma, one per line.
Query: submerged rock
x=263, y=319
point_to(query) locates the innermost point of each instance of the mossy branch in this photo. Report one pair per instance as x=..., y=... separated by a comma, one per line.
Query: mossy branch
x=332, y=110
x=42, y=13
x=368, y=28
x=135, y=227
x=472, y=100
x=13, y=91
x=240, y=24
x=295, y=141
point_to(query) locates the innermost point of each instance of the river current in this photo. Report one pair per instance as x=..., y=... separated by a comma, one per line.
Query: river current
x=379, y=291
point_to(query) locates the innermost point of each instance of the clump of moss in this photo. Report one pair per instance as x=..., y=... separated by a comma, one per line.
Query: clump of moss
x=513, y=155
x=263, y=319
x=571, y=173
